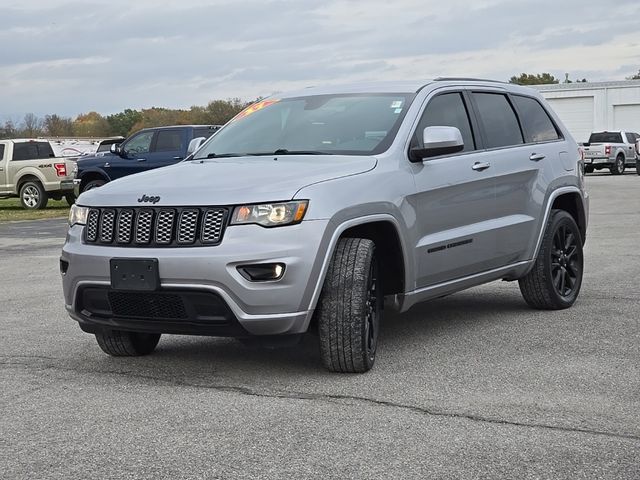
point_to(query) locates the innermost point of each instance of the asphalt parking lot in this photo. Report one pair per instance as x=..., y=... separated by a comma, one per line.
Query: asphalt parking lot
x=474, y=385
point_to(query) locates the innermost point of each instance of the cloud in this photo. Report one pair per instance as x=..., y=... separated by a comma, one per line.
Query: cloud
x=71, y=57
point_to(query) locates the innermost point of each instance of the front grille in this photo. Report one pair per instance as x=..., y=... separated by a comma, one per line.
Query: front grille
x=156, y=227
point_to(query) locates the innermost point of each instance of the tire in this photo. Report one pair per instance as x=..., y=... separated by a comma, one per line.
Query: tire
x=350, y=308
x=127, y=344
x=33, y=196
x=70, y=198
x=555, y=280
x=98, y=182
x=638, y=165
x=618, y=167
x=588, y=169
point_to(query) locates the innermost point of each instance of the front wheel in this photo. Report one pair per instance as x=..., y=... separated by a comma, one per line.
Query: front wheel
x=556, y=277
x=98, y=182
x=33, y=196
x=118, y=343
x=350, y=308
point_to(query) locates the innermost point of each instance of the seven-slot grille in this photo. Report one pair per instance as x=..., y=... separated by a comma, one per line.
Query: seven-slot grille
x=155, y=227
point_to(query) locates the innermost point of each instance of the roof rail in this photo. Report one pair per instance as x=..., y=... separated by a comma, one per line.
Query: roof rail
x=465, y=79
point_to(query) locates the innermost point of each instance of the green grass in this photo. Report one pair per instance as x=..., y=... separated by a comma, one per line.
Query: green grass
x=10, y=209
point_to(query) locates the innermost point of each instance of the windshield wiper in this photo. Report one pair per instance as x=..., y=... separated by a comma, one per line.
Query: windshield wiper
x=220, y=155
x=284, y=151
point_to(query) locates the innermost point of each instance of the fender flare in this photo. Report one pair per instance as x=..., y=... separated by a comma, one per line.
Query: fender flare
x=335, y=236
x=93, y=170
x=552, y=197
x=28, y=172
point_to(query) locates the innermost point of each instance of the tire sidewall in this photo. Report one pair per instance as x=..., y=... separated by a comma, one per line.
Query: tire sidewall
x=91, y=184
x=558, y=219
x=42, y=195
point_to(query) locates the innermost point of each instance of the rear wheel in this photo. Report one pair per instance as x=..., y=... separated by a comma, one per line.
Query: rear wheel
x=556, y=277
x=618, y=167
x=350, y=308
x=33, y=196
x=127, y=344
x=70, y=198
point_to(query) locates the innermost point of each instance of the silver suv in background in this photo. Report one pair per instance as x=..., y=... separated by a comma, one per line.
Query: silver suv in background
x=615, y=150
x=312, y=209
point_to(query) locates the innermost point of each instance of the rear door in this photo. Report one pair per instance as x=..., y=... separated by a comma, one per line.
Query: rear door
x=522, y=144
x=168, y=147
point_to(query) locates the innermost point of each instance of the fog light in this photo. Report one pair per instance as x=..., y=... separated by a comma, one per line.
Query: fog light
x=262, y=272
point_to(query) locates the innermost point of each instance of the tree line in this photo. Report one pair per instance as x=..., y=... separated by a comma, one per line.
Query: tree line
x=217, y=112
x=93, y=124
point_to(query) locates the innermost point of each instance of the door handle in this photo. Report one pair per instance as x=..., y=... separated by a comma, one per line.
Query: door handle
x=536, y=157
x=107, y=165
x=479, y=166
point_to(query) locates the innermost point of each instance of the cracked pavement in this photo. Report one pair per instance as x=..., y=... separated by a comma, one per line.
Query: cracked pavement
x=474, y=385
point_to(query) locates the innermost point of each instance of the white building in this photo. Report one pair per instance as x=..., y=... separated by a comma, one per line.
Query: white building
x=587, y=107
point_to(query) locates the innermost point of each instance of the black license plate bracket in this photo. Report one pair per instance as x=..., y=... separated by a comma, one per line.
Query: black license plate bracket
x=140, y=274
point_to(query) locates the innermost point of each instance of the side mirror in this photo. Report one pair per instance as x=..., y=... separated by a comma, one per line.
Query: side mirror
x=115, y=149
x=195, y=144
x=438, y=141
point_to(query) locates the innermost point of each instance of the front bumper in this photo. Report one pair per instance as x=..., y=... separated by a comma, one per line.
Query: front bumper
x=256, y=308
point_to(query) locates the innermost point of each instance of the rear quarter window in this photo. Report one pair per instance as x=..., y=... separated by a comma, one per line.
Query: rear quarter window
x=536, y=122
x=32, y=151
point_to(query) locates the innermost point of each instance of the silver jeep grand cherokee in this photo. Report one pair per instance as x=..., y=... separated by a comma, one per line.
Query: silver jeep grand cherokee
x=311, y=209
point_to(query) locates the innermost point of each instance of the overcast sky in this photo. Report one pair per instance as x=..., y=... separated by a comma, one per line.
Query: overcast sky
x=71, y=57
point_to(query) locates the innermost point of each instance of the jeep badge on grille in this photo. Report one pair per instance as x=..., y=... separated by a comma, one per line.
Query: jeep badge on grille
x=149, y=199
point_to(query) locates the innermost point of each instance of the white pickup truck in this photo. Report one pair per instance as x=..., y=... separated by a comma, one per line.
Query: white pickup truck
x=30, y=170
x=615, y=150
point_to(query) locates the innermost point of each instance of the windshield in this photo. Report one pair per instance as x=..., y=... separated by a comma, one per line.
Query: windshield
x=348, y=124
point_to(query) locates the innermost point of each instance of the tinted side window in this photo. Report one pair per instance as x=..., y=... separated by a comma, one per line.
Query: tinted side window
x=169, y=141
x=500, y=123
x=630, y=137
x=1, y=151
x=204, y=132
x=535, y=120
x=447, y=110
x=32, y=150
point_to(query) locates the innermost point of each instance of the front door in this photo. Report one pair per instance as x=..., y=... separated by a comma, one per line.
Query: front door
x=134, y=156
x=454, y=199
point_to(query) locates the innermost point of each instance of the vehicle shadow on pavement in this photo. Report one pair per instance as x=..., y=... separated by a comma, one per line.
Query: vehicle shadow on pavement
x=455, y=316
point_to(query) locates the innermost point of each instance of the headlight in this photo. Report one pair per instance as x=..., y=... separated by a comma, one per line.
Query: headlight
x=78, y=215
x=270, y=214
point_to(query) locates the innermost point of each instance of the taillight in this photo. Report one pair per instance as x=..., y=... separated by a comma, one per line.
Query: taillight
x=607, y=149
x=61, y=169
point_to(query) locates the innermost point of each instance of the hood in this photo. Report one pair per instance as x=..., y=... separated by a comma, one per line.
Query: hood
x=227, y=181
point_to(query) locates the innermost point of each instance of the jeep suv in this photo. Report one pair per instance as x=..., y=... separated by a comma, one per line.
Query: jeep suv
x=309, y=210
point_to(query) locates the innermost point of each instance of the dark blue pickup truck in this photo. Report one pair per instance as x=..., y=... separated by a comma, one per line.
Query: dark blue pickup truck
x=144, y=150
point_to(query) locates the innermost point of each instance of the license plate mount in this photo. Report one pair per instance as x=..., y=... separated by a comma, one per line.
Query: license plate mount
x=139, y=274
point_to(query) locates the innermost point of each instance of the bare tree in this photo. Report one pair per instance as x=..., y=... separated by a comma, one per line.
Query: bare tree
x=32, y=125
